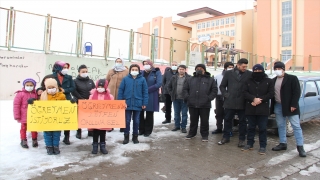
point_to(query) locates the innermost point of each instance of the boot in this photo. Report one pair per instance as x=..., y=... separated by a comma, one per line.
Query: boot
x=49, y=150
x=78, y=135
x=94, y=148
x=56, y=150
x=301, y=151
x=281, y=146
x=24, y=144
x=34, y=143
x=135, y=139
x=90, y=133
x=66, y=140
x=103, y=149
x=126, y=139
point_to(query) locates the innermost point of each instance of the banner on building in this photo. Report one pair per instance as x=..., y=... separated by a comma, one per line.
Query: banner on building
x=97, y=114
x=52, y=116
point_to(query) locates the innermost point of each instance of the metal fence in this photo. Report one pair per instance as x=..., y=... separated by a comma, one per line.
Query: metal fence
x=27, y=31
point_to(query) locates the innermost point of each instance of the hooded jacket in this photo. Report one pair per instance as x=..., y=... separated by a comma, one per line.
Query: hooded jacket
x=20, y=104
x=200, y=90
x=83, y=86
x=95, y=95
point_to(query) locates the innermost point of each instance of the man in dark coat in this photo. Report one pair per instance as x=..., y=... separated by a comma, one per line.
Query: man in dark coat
x=258, y=91
x=169, y=72
x=199, y=91
x=231, y=87
x=286, y=105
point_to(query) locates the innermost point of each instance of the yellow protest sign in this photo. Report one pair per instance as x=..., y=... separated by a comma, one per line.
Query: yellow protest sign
x=98, y=114
x=52, y=116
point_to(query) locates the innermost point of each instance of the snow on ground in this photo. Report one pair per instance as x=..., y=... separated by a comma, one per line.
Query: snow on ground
x=19, y=163
x=311, y=169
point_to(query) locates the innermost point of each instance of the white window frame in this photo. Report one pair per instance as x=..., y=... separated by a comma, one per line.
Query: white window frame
x=222, y=22
x=199, y=25
x=208, y=24
x=217, y=22
x=212, y=23
x=227, y=20
x=203, y=25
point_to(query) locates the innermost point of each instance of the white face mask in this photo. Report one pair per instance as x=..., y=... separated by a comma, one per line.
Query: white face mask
x=147, y=67
x=174, y=68
x=228, y=69
x=118, y=64
x=52, y=91
x=29, y=88
x=278, y=72
x=101, y=90
x=64, y=71
x=84, y=75
x=134, y=73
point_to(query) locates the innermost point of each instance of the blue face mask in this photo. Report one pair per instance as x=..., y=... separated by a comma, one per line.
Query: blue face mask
x=118, y=64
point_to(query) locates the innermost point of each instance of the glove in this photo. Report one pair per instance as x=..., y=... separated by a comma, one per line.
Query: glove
x=31, y=100
x=72, y=101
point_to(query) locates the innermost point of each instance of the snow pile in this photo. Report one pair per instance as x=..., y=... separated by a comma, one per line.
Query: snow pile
x=311, y=169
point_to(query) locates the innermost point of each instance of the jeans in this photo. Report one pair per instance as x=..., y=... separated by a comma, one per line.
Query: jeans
x=180, y=107
x=52, y=138
x=282, y=125
x=229, y=116
x=135, y=119
x=204, y=114
x=261, y=122
x=168, y=104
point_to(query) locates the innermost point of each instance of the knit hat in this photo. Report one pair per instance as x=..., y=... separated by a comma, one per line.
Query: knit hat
x=257, y=67
x=82, y=67
x=148, y=62
x=29, y=80
x=202, y=66
x=51, y=82
x=227, y=64
x=279, y=64
x=101, y=82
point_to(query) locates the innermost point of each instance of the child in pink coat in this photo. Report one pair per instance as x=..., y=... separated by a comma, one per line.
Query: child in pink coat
x=20, y=108
x=101, y=92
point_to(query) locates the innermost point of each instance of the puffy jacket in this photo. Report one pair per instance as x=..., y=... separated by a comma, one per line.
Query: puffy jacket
x=20, y=104
x=67, y=84
x=58, y=96
x=114, y=78
x=263, y=90
x=199, y=91
x=171, y=87
x=134, y=91
x=83, y=87
x=231, y=88
x=168, y=73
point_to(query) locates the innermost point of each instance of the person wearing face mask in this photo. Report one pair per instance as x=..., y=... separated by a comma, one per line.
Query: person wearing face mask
x=285, y=105
x=168, y=73
x=198, y=91
x=219, y=111
x=231, y=88
x=154, y=80
x=83, y=86
x=60, y=73
x=115, y=76
x=134, y=90
x=20, y=108
x=258, y=91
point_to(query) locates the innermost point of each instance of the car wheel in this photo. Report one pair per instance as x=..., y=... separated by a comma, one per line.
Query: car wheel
x=289, y=132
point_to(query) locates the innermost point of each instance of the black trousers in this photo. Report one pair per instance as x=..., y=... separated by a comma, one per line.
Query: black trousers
x=219, y=111
x=261, y=122
x=66, y=133
x=204, y=114
x=97, y=133
x=146, y=123
x=228, y=119
x=168, y=104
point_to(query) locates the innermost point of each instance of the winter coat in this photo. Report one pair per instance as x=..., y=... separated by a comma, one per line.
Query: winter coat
x=134, y=91
x=232, y=87
x=58, y=96
x=168, y=73
x=20, y=104
x=290, y=94
x=263, y=90
x=171, y=87
x=114, y=78
x=199, y=91
x=83, y=88
x=67, y=84
x=154, y=81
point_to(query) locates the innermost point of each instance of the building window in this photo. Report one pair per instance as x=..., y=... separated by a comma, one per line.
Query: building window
x=232, y=59
x=227, y=33
x=232, y=32
x=286, y=24
x=208, y=34
x=199, y=26
x=199, y=36
x=227, y=46
x=286, y=55
x=217, y=22
x=222, y=22
x=208, y=24
x=221, y=33
x=212, y=23
x=232, y=45
x=286, y=8
x=217, y=33
x=286, y=39
x=227, y=20
x=203, y=25
x=232, y=19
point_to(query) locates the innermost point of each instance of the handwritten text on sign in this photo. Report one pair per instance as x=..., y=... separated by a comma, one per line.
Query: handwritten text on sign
x=52, y=116
x=98, y=114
